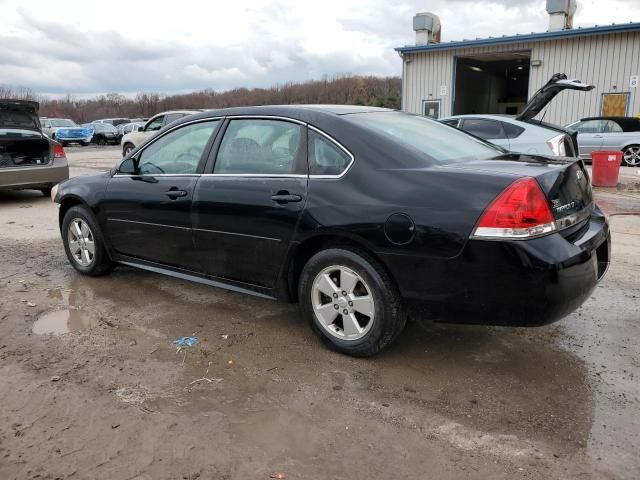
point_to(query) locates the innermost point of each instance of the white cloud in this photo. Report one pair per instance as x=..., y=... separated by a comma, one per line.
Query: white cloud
x=81, y=47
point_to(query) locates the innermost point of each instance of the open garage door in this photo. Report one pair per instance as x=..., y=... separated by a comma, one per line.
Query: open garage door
x=492, y=83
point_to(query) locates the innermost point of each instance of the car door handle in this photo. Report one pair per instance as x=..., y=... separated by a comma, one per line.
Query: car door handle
x=173, y=194
x=285, y=197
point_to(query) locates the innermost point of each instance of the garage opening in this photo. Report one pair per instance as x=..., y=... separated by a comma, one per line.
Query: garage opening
x=492, y=83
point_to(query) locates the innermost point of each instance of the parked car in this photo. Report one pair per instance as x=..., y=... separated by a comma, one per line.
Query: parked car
x=522, y=133
x=113, y=121
x=28, y=158
x=609, y=133
x=50, y=126
x=74, y=134
x=133, y=139
x=104, y=133
x=361, y=214
x=125, y=128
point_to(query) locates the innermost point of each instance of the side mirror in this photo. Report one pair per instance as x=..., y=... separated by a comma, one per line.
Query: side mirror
x=128, y=166
x=141, y=129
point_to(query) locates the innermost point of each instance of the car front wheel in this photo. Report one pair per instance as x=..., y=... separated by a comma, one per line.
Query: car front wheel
x=350, y=301
x=83, y=242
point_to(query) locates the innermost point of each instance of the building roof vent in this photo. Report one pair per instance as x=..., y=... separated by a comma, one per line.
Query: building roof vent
x=561, y=14
x=427, y=28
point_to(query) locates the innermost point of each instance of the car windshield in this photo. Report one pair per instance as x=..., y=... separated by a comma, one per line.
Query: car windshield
x=439, y=142
x=63, y=122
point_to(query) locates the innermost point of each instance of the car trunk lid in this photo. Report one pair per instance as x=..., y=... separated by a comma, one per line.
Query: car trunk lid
x=22, y=144
x=564, y=182
x=542, y=97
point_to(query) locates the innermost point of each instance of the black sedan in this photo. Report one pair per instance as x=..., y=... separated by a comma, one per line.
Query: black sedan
x=104, y=133
x=363, y=215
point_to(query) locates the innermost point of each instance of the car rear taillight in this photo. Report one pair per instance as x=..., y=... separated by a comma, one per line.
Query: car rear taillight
x=520, y=212
x=557, y=146
x=58, y=152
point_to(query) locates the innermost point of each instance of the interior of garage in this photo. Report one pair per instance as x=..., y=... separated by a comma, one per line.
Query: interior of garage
x=495, y=83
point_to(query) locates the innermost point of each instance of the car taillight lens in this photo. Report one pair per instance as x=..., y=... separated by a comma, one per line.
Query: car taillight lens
x=520, y=212
x=58, y=152
x=557, y=146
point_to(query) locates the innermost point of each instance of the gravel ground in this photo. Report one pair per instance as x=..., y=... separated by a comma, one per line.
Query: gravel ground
x=92, y=387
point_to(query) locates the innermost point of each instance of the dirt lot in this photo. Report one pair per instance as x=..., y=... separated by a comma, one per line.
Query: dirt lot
x=91, y=386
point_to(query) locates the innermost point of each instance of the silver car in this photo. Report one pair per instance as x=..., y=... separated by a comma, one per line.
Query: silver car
x=28, y=158
x=609, y=133
x=521, y=133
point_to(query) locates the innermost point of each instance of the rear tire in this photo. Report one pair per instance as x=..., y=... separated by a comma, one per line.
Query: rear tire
x=631, y=156
x=83, y=242
x=363, y=314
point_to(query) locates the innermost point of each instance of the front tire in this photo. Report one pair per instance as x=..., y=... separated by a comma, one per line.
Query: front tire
x=83, y=242
x=350, y=301
x=631, y=156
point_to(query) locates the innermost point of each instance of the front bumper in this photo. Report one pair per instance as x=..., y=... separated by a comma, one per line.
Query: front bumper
x=32, y=177
x=518, y=283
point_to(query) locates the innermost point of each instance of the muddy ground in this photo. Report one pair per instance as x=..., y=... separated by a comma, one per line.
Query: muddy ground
x=91, y=386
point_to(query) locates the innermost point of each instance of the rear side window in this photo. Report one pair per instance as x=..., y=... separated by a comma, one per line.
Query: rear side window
x=260, y=147
x=325, y=157
x=512, y=131
x=483, y=128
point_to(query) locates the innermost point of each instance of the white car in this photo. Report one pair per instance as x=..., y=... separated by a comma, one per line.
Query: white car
x=521, y=133
x=137, y=137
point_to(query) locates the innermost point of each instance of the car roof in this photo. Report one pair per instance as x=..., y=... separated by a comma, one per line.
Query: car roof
x=302, y=112
x=628, y=124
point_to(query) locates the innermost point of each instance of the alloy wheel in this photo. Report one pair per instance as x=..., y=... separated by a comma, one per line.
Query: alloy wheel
x=631, y=156
x=343, y=303
x=81, y=242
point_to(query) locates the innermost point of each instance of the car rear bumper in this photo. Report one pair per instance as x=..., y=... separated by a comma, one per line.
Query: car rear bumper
x=518, y=283
x=28, y=177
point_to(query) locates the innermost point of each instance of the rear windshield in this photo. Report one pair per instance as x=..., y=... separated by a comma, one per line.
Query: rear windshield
x=439, y=142
x=17, y=119
x=63, y=123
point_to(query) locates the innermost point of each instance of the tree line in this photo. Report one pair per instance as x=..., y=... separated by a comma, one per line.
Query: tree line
x=349, y=90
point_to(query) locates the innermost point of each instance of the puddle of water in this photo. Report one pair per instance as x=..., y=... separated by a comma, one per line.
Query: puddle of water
x=61, y=322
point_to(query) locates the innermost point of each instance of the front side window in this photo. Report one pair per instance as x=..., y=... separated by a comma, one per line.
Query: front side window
x=611, y=127
x=483, y=128
x=589, y=126
x=260, y=146
x=325, y=157
x=155, y=124
x=177, y=152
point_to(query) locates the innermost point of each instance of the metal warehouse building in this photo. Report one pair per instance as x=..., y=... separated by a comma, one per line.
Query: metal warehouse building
x=499, y=75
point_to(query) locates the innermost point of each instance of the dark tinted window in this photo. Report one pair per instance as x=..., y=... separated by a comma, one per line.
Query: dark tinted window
x=259, y=147
x=17, y=119
x=512, y=131
x=325, y=157
x=178, y=151
x=483, y=128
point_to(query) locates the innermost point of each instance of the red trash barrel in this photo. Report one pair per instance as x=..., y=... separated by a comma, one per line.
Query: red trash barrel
x=606, y=168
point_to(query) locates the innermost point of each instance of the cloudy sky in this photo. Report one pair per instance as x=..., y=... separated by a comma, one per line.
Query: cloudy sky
x=80, y=47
